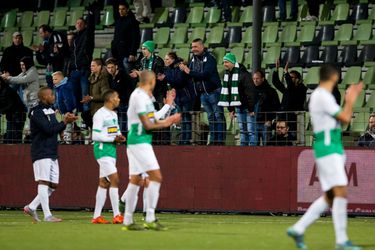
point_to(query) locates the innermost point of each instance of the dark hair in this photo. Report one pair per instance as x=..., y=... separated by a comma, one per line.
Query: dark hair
x=46, y=28
x=198, y=40
x=326, y=72
x=28, y=61
x=108, y=94
x=124, y=3
x=41, y=92
x=111, y=60
x=172, y=55
x=286, y=123
x=81, y=18
x=298, y=75
x=260, y=72
x=98, y=61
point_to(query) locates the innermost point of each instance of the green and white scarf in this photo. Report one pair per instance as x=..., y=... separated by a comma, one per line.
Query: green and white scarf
x=234, y=99
x=147, y=64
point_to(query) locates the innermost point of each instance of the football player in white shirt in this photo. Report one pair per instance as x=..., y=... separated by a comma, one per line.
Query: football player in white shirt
x=327, y=116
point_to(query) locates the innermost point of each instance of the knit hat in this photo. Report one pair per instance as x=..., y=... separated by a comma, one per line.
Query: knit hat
x=230, y=58
x=149, y=45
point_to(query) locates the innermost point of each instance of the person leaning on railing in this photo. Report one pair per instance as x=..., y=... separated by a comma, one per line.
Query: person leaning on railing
x=282, y=136
x=368, y=138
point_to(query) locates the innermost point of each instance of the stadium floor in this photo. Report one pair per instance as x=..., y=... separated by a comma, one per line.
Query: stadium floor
x=186, y=231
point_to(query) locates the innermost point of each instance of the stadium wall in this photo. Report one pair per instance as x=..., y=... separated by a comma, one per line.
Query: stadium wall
x=234, y=179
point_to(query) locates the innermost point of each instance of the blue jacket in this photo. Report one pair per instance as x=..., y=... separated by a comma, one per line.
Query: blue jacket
x=44, y=130
x=204, y=74
x=65, y=101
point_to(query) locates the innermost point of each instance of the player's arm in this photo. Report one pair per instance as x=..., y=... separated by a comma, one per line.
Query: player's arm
x=351, y=95
x=168, y=101
x=97, y=128
x=148, y=125
x=39, y=119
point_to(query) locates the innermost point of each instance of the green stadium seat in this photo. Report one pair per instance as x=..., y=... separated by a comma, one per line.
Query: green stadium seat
x=371, y=101
x=363, y=32
x=196, y=15
x=184, y=53
x=198, y=32
x=161, y=38
x=27, y=35
x=344, y=33
x=215, y=37
x=303, y=11
x=239, y=53
x=246, y=40
x=247, y=15
x=107, y=19
x=271, y=56
x=162, y=52
x=342, y=94
x=97, y=53
x=307, y=33
x=340, y=12
x=26, y=19
x=9, y=20
x=6, y=39
x=59, y=17
x=161, y=16
x=270, y=33
x=221, y=71
x=353, y=75
x=312, y=76
x=369, y=77
x=213, y=16
x=219, y=53
x=360, y=122
x=324, y=12
x=74, y=3
x=179, y=36
x=75, y=13
x=248, y=61
x=42, y=18
x=360, y=101
x=235, y=13
x=288, y=33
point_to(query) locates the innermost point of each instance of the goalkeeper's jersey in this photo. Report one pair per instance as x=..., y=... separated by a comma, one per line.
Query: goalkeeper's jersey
x=140, y=103
x=105, y=129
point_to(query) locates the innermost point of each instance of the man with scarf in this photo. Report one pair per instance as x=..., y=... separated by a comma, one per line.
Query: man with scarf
x=238, y=95
x=368, y=138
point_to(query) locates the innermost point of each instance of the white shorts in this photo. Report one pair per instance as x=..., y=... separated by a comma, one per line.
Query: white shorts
x=46, y=170
x=331, y=171
x=141, y=159
x=107, y=166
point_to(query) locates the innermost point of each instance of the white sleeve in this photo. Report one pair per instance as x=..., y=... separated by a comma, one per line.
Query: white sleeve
x=97, y=128
x=161, y=113
x=140, y=107
x=330, y=105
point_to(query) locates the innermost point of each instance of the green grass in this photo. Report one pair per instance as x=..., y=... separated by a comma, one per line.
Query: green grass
x=190, y=232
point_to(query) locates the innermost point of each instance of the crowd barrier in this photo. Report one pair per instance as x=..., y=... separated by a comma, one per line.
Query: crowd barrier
x=205, y=178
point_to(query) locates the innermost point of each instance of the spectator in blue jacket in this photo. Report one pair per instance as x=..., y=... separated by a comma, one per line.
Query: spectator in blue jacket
x=178, y=80
x=65, y=100
x=207, y=84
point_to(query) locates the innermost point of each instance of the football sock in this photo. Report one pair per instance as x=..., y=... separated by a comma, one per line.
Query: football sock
x=340, y=219
x=123, y=197
x=311, y=215
x=44, y=199
x=36, y=202
x=145, y=190
x=152, y=197
x=113, y=195
x=131, y=202
x=101, y=196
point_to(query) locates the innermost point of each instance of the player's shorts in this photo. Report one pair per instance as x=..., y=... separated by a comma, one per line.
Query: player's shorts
x=46, y=170
x=331, y=171
x=141, y=159
x=107, y=166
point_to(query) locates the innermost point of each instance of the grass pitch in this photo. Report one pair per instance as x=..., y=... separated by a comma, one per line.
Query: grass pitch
x=186, y=232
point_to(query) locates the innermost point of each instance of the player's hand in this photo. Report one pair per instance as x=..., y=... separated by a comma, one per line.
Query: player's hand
x=120, y=139
x=171, y=96
x=353, y=92
x=70, y=118
x=174, y=119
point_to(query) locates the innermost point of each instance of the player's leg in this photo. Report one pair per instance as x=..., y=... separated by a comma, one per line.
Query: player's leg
x=131, y=199
x=101, y=196
x=144, y=183
x=114, y=197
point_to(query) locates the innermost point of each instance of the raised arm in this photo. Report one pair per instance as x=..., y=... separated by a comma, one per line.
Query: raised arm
x=351, y=96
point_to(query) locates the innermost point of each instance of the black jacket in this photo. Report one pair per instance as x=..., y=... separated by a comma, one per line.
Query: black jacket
x=268, y=102
x=126, y=38
x=83, y=46
x=277, y=140
x=204, y=74
x=44, y=130
x=122, y=84
x=366, y=140
x=48, y=56
x=246, y=90
x=294, y=97
x=10, y=102
x=10, y=62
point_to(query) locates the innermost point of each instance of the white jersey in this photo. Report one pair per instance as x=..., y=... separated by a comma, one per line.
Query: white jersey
x=104, y=131
x=327, y=130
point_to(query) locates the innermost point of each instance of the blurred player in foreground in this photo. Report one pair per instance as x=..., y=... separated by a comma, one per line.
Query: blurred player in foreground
x=141, y=122
x=106, y=134
x=44, y=130
x=326, y=116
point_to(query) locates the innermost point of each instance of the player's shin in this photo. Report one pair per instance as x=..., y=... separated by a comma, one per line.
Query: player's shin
x=113, y=194
x=34, y=204
x=101, y=196
x=131, y=200
x=152, y=197
x=145, y=190
x=44, y=199
x=340, y=219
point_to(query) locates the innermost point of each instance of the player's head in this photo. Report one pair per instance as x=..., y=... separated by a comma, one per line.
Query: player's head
x=329, y=75
x=111, y=65
x=123, y=8
x=111, y=98
x=57, y=77
x=282, y=128
x=147, y=80
x=258, y=77
x=197, y=47
x=46, y=96
x=296, y=77
x=371, y=123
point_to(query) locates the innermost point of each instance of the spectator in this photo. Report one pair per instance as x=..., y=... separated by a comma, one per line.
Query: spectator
x=53, y=52
x=142, y=10
x=238, y=94
x=282, y=136
x=293, y=10
x=126, y=38
x=98, y=85
x=269, y=104
x=150, y=61
x=120, y=81
x=207, y=85
x=313, y=6
x=368, y=138
x=14, y=110
x=184, y=96
x=65, y=101
x=80, y=58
